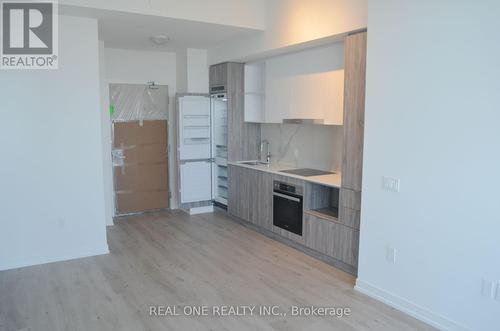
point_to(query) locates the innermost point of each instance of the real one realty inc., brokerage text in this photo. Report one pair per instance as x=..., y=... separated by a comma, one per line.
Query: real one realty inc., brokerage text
x=248, y=310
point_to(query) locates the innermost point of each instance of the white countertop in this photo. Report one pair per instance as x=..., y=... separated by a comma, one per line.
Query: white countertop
x=332, y=180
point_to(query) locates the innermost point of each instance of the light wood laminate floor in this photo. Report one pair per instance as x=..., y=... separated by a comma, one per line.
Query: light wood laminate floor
x=170, y=258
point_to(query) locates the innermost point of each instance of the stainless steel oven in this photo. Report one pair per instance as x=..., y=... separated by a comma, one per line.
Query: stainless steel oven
x=287, y=207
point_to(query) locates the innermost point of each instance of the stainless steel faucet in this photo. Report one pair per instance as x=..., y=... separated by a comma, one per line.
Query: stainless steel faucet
x=268, y=155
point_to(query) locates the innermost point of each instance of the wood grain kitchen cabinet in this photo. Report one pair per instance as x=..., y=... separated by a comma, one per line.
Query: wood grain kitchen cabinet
x=251, y=199
x=218, y=74
x=238, y=192
x=354, y=110
x=243, y=138
x=350, y=207
x=250, y=195
x=349, y=217
x=262, y=199
x=332, y=239
x=354, y=118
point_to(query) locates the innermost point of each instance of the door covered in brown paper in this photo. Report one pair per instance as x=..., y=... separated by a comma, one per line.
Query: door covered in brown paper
x=141, y=166
x=140, y=147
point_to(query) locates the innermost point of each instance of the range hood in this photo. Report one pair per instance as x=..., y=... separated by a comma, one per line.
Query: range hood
x=303, y=121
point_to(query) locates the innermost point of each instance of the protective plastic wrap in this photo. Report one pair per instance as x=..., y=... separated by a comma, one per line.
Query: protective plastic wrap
x=130, y=102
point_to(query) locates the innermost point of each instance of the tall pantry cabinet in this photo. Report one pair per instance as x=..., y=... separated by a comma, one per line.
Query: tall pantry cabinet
x=354, y=118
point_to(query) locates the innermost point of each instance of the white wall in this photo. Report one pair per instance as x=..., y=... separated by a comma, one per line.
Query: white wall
x=432, y=120
x=305, y=146
x=182, y=79
x=197, y=70
x=139, y=67
x=52, y=176
x=291, y=22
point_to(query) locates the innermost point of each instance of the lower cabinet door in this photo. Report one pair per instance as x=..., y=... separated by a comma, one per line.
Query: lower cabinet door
x=196, y=181
x=250, y=195
x=265, y=200
x=237, y=203
x=332, y=239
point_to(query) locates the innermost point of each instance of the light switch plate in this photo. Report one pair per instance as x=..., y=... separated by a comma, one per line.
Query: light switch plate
x=497, y=292
x=390, y=255
x=390, y=184
x=488, y=288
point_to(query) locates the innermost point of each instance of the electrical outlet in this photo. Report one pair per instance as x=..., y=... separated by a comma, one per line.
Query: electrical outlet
x=497, y=292
x=61, y=222
x=488, y=288
x=390, y=184
x=390, y=255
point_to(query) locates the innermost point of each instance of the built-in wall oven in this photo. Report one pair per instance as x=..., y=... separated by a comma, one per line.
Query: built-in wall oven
x=287, y=207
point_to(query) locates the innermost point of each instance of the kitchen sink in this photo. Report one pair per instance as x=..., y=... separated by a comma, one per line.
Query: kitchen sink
x=254, y=163
x=307, y=172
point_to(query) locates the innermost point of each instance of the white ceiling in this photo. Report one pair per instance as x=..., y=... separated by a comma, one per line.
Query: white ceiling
x=133, y=31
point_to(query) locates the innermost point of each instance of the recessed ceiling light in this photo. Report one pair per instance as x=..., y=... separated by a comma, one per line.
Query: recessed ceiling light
x=160, y=39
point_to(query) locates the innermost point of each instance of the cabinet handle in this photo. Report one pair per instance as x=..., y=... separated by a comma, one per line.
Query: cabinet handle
x=286, y=197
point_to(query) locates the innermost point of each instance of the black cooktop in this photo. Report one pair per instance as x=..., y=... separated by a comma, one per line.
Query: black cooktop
x=307, y=172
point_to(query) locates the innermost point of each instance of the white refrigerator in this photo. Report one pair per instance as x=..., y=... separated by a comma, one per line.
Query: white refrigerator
x=203, y=148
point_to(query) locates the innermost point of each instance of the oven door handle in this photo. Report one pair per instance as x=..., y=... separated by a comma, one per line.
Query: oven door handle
x=284, y=196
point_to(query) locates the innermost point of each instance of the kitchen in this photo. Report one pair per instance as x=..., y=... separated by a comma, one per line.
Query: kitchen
x=284, y=151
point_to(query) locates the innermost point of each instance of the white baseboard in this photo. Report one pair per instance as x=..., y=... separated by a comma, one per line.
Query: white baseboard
x=64, y=256
x=408, y=307
x=201, y=210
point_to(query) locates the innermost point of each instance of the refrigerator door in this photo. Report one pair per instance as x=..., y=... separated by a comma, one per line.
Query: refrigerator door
x=219, y=147
x=196, y=181
x=194, y=128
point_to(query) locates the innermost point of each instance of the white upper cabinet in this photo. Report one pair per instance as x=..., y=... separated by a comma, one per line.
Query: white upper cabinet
x=255, y=87
x=317, y=96
x=332, y=97
x=302, y=85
